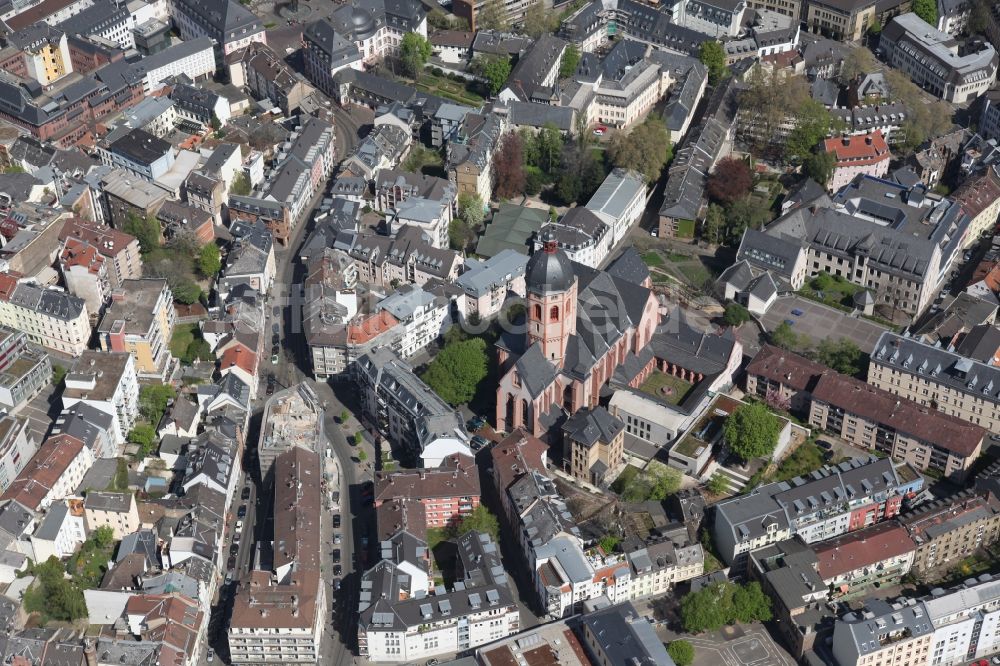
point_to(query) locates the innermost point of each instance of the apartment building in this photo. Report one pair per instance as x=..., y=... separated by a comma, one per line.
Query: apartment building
x=658, y=566
x=619, y=634
x=325, y=53
x=85, y=274
x=619, y=202
x=594, y=445
x=108, y=382
x=265, y=74
x=790, y=8
x=17, y=446
x=44, y=53
x=193, y=58
x=949, y=529
x=884, y=634
x=873, y=556
x=53, y=473
x=857, y=155
x=49, y=317
x=945, y=628
x=406, y=410
x=979, y=196
x=447, y=493
x=625, y=83
x=844, y=20
x=783, y=377
x=835, y=500
x=469, y=158
x=279, y=615
x=423, y=317
x=404, y=618
x=120, y=250
x=118, y=511
x=938, y=379
x=934, y=61
x=488, y=283
x=231, y=25
x=140, y=321
x=24, y=369
x=140, y=153
x=581, y=234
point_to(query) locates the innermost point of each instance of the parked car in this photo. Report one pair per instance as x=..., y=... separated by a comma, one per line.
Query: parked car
x=797, y=312
x=336, y=555
x=336, y=497
x=336, y=585
x=336, y=521
x=275, y=328
x=600, y=130
x=234, y=549
x=275, y=339
x=210, y=655
x=475, y=423
x=338, y=570
x=478, y=442
x=823, y=444
x=337, y=538
x=242, y=511
x=245, y=495
x=790, y=322
x=231, y=562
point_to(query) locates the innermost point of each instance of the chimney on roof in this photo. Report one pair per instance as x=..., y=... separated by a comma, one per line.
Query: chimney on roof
x=846, y=140
x=868, y=139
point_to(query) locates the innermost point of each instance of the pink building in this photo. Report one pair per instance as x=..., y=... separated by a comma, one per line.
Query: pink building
x=866, y=154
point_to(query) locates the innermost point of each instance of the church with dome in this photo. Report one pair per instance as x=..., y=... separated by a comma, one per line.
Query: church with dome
x=590, y=333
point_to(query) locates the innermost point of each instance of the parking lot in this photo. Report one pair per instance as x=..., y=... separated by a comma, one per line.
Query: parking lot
x=820, y=322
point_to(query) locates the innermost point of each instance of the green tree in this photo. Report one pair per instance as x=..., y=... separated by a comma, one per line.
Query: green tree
x=713, y=228
x=362, y=456
x=14, y=168
x=750, y=604
x=145, y=229
x=783, y=336
x=471, y=209
x=979, y=17
x=186, y=291
x=495, y=69
x=713, y=57
x=548, y=147
x=358, y=437
x=646, y=148
x=819, y=166
x=666, y=482
x=153, y=400
x=493, y=16
x=708, y=609
x=718, y=484
x=841, y=355
x=812, y=125
x=570, y=59
x=456, y=372
x=209, y=260
x=241, y=185
x=480, y=520
x=746, y=213
x=538, y=20
x=144, y=435
x=58, y=374
x=609, y=542
x=344, y=415
x=735, y=315
x=53, y=595
x=858, y=62
x=681, y=651
x=927, y=10
x=414, y=52
x=751, y=431
x=875, y=28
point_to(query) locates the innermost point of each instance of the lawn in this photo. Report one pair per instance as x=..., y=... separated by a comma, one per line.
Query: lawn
x=832, y=290
x=658, y=380
x=447, y=88
x=184, y=335
x=695, y=272
x=807, y=458
x=652, y=258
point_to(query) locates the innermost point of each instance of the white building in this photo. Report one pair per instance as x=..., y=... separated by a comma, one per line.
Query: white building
x=60, y=533
x=17, y=446
x=108, y=382
x=487, y=284
x=423, y=316
x=619, y=202
x=193, y=58
x=581, y=234
x=50, y=317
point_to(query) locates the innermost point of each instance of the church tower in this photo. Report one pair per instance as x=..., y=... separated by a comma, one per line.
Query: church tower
x=552, y=293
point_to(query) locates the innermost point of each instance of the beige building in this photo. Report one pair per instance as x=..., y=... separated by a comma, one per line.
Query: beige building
x=49, y=317
x=846, y=20
x=947, y=530
x=791, y=8
x=877, y=420
x=594, y=445
x=782, y=377
x=980, y=199
x=937, y=378
x=884, y=634
x=118, y=511
x=140, y=321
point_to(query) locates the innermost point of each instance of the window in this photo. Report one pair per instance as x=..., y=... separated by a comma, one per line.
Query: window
x=554, y=313
x=538, y=311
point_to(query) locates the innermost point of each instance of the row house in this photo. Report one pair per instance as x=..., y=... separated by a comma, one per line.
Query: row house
x=50, y=317
x=447, y=493
x=108, y=382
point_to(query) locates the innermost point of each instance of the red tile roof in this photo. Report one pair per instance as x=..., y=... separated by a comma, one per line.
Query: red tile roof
x=81, y=253
x=457, y=477
x=44, y=469
x=7, y=284
x=854, y=396
x=517, y=454
x=786, y=368
x=239, y=356
x=865, y=547
x=108, y=241
x=858, y=150
x=978, y=193
x=363, y=330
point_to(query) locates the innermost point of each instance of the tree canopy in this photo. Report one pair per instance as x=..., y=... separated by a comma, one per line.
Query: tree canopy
x=681, y=651
x=857, y=62
x=493, y=16
x=495, y=69
x=241, y=185
x=713, y=57
x=923, y=120
x=841, y=355
x=153, y=400
x=722, y=603
x=480, y=520
x=735, y=315
x=783, y=336
x=53, y=595
x=819, y=166
x=414, y=52
x=646, y=148
x=731, y=180
x=455, y=373
x=209, y=260
x=570, y=59
x=927, y=10
x=718, y=484
x=751, y=431
x=508, y=168
x=145, y=229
